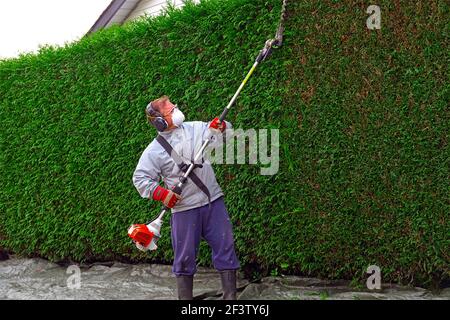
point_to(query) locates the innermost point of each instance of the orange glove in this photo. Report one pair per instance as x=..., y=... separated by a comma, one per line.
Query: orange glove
x=217, y=125
x=167, y=197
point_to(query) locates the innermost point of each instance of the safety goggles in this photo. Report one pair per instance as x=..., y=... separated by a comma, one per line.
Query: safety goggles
x=171, y=111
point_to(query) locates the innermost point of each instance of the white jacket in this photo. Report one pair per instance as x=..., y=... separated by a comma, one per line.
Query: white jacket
x=155, y=163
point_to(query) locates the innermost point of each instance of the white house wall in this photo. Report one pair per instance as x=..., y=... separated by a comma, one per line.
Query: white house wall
x=152, y=7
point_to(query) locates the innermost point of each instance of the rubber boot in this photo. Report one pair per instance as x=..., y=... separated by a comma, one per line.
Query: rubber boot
x=228, y=278
x=185, y=286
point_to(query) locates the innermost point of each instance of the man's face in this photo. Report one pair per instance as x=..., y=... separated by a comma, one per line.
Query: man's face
x=166, y=109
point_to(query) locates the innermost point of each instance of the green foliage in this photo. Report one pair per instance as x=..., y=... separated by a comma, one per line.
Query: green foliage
x=363, y=118
x=324, y=295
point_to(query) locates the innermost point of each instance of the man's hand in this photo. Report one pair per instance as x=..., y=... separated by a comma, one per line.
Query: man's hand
x=167, y=197
x=217, y=125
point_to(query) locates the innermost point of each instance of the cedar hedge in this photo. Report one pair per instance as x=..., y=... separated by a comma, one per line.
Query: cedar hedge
x=363, y=118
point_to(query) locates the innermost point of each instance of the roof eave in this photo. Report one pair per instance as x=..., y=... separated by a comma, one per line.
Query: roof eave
x=106, y=15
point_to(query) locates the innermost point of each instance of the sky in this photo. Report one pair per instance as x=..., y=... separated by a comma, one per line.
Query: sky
x=27, y=24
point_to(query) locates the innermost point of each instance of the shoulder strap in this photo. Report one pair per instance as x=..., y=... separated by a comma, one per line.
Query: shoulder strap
x=183, y=166
x=172, y=153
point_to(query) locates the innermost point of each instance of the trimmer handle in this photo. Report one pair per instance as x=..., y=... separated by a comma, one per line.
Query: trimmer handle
x=177, y=190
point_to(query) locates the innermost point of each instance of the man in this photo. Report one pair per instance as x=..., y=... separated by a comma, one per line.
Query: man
x=199, y=212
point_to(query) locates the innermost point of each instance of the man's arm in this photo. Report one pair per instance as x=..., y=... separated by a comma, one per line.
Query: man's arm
x=146, y=179
x=147, y=175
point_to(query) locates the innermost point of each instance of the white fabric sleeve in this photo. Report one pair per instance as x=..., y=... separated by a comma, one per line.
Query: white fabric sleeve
x=147, y=175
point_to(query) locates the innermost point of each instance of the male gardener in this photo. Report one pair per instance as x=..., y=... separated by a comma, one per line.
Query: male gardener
x=199, y=212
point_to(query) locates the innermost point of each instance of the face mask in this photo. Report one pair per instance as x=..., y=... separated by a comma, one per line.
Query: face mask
x=177, y=117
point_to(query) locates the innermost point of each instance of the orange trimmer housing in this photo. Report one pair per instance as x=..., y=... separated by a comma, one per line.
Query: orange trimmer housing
x=140, y=234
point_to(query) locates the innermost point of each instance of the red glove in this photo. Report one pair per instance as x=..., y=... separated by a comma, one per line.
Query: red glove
x=168, y=197
x=217, y=125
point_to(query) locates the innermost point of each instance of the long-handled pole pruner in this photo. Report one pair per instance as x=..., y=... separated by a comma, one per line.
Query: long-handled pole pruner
x=146, y=235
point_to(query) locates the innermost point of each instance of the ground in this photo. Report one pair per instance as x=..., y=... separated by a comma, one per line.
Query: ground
x=24, y=278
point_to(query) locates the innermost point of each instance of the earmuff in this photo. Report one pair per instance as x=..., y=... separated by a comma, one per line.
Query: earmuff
x=155, y=118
